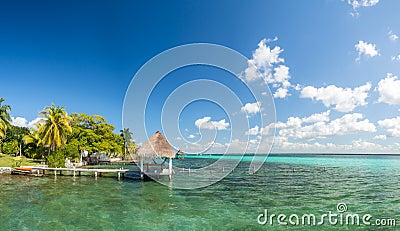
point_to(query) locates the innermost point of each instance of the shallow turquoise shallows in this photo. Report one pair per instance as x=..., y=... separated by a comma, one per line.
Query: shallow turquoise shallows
x=284, y=185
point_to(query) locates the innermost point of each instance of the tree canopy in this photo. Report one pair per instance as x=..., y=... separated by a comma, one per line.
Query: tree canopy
x=94, y=134
x=58, y=135
x=13, y=141
x=55, y=126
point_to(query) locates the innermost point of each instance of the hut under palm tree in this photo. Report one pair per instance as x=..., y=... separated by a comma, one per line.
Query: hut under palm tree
x=153, y=154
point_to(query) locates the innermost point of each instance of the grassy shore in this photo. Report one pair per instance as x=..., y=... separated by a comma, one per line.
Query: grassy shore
x=9, y=161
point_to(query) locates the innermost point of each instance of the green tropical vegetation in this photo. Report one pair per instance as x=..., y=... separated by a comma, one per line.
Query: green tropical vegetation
x=13, y=142
x=59, y=135
x=33, y=145
x=5, y=118
x=55, y=127
x=94, y=134
x=129, y=145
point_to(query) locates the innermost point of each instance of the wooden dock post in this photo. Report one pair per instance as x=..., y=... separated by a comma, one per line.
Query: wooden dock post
x=141, y=168
x=170, y=169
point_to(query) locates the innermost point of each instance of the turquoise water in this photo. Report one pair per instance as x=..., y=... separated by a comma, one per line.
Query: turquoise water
x=285, y=184
x=344, y=161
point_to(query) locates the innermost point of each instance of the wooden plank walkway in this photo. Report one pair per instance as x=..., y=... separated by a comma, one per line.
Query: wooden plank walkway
x=96, y=172
x=78, y=171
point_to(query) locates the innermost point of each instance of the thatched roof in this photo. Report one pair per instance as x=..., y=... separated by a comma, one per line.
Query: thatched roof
x=157, y=145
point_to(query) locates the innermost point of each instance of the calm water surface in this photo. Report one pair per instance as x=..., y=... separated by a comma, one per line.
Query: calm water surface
x=367, y=184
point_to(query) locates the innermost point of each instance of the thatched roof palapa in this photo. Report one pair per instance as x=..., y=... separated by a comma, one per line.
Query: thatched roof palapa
x=157, y=145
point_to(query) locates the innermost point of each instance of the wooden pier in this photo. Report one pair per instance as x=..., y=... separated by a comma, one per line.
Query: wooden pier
x=121, y=173
x=96, y=172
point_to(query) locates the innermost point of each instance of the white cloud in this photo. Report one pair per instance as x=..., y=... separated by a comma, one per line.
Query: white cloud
x=392, y=36
x=281, y=93
x=253, y=131
x=293, y=122
x=209, y=147
x=281, y=75
x=356, y=4
x=34, y=122
x=380, y=137
x=23, y=122
x=356, y=146
x=389, y=90
x=392, y=126
x=251, y=108
x=363, y=145
x=317, y=117
x=344, y=99
x=283, y=145
x=396, y=58
x=267, y=64
x=206, y=123
x=19, y=121
x=191, y=136
x=296, y=122
x=251, y=73
x=264, y=58
x=362, y=3
x=178, y=138
x=250, y=146
x=321, y=128
x=366, y=49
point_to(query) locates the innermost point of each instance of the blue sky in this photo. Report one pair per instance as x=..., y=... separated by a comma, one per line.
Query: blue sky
x=342, y=57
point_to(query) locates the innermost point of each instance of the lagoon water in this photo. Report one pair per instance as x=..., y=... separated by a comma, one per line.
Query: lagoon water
x=367, y=184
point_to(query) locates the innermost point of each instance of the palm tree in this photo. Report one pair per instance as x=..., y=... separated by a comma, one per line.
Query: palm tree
x=5, y=118
x=32, y=138
x=127, y=135
x=55, y=127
